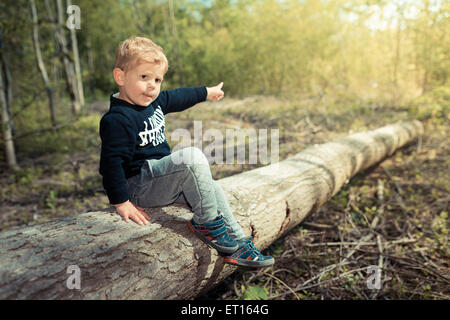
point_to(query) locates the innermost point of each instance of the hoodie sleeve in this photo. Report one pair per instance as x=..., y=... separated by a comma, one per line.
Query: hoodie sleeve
x=118, y=141
x=181, y=99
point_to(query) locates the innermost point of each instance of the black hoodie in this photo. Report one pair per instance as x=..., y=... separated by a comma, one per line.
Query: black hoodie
x=131, y=134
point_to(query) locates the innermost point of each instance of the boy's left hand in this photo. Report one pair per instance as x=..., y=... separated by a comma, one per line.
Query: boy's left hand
x=215, y=93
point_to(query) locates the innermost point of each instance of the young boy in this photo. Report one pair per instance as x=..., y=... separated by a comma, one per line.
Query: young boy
x=138, y=167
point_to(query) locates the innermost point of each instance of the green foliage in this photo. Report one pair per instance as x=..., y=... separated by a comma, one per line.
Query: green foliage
x=441, y=231
x=326, y=52
x=25, y=176
x=50, y=200
x=75, y=135
x=272, y=47
x=254, y=293
x=435, y=104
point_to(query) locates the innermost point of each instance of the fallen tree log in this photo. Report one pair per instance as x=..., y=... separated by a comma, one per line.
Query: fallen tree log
x=164, y=260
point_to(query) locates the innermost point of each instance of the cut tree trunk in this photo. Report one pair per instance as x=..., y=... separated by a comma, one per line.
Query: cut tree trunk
x=164, y=260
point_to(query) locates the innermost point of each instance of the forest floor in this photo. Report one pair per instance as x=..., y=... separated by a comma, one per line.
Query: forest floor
x=325, y=257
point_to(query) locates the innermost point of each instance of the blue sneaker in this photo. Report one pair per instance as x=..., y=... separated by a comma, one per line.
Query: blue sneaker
x=248, y=256
x=214, y=234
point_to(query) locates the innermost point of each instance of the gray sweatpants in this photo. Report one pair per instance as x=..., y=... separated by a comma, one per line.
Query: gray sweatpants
x=183, y=177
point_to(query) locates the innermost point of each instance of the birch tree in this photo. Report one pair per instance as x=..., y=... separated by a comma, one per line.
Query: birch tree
x=76, y=60
x=173, y=27
x=6, y=128
x=7, y=84
x=65, y=57
x=41, y=64
x=5, y=100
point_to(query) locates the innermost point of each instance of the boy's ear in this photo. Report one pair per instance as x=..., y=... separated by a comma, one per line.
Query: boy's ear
x=119, y=76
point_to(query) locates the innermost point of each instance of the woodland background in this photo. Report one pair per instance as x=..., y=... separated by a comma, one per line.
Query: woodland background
x=314, y=69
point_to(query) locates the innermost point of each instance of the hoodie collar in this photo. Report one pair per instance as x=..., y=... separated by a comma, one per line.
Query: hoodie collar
x=116, y=101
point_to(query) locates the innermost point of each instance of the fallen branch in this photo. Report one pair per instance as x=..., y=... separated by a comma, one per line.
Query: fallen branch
x=349, y=243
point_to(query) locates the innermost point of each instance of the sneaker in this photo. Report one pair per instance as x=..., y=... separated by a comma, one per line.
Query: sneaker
x=248, y=256
x=214, y=234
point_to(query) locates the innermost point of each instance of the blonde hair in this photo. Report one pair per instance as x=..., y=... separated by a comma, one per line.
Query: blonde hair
x=136, y=50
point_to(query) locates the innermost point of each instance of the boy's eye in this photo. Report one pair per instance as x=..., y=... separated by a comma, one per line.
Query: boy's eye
x=143, y=76
x=157, y=80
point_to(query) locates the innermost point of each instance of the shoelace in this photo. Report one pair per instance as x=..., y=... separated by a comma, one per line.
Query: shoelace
x=226, y=237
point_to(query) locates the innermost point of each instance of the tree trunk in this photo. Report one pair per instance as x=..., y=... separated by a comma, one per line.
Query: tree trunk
x=68, y=66
x=173, y=25
x=76, y=60
x=41, y=65
x=7, y=85
x=10, y=152
x=7, y=82
x=164, y=260
x=91, y=65
x=57, y=72
x=6, y=97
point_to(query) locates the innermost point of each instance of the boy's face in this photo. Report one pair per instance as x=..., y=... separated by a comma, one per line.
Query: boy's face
x=140, y=85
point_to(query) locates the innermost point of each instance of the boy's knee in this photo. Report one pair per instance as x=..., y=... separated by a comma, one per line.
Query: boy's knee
x=194, y=156
x=189, y=156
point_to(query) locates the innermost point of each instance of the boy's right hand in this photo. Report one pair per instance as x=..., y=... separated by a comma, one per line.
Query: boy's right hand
x=128, y=210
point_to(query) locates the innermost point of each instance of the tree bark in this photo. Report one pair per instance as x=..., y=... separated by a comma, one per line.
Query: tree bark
x=76, y=60
x=174, y=36
x=68, y=65
x=41, y=65
x=164, y=260
x=5, y=104
x=91, y=65
x=9, y=148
